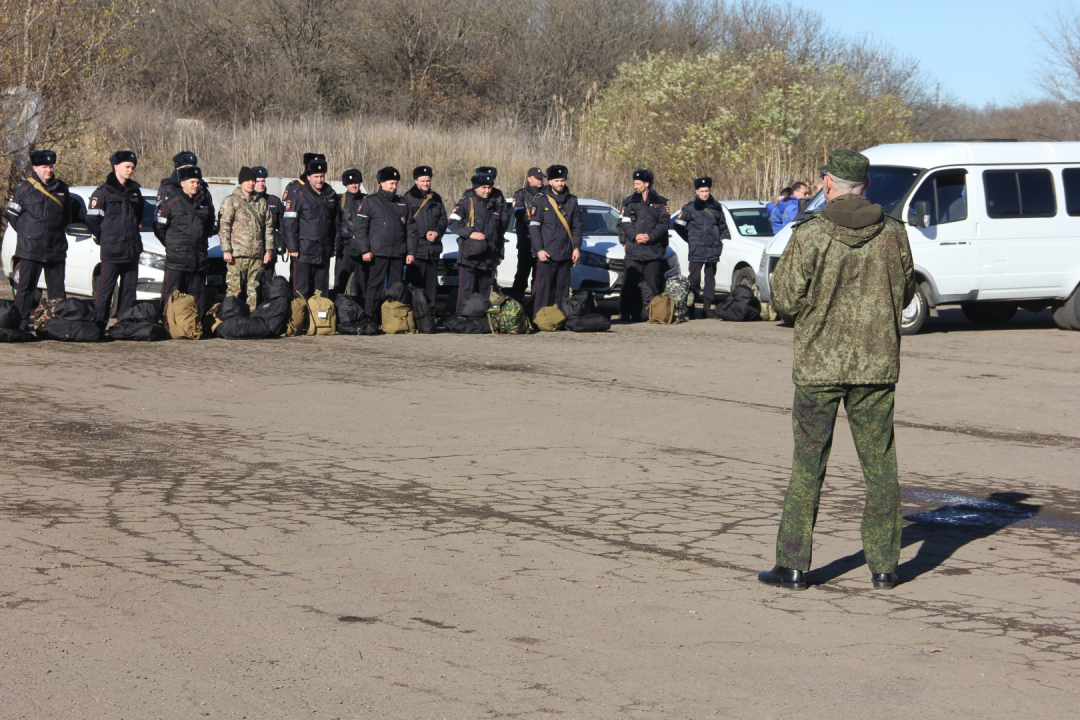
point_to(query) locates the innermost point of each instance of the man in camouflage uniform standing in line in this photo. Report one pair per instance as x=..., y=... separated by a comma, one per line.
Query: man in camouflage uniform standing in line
x=247, y=236
x=843, y=281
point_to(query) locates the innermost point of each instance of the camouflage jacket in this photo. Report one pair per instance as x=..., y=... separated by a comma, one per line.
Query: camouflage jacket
x=246, y=225
x=844, y=281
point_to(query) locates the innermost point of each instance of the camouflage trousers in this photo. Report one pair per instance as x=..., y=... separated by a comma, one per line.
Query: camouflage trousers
x=243, y=275
x=813, y=417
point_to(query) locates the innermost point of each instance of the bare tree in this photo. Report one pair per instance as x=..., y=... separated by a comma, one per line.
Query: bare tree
x=1060, y=72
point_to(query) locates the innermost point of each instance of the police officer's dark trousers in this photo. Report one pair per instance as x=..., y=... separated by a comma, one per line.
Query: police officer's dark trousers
x=813, y=417
x=526, y=265
x=189, y=283
x=384, y=271
x=128, y=273
x=29, y=274
x=309, y=277
x=474, y=280
x=424, y=275
x=344, y=268
x=709, y=290
x=649, y=272
x=551, y=275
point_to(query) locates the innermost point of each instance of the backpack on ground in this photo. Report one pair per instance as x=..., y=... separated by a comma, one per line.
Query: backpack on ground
x=678, y=287
x=578, y=305
x=590, y=322
x=506, y=315
x=423, y=313
x=72, y=321
x=740, y=306
x=352, y=319
x=473, y=305
x=298, y=316
x=322, y=317
x=662, y=309
x=399, y=292
x=10, y=319
x=397, y=318
x=468, y=325
x=550, y=319
x=182, y=317
x=142, y=322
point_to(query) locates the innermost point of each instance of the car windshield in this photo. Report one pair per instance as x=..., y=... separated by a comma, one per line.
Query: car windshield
x=888, y=186
x=599, y=220
x=149, y=206
x=752, y=221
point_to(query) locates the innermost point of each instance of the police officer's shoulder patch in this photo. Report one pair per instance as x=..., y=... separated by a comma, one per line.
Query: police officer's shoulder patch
x=285, y=195
x=532, y=211
x=288, y=204
x=94, y=201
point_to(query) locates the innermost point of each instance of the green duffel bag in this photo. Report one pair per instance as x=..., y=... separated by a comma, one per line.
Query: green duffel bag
x=550, y=319
x=397, y=318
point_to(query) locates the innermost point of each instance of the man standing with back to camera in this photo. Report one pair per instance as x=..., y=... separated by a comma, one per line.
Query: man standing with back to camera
x=843, y=281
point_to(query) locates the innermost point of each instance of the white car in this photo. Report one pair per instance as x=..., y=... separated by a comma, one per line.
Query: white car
x=750, y=231
x=600, y=269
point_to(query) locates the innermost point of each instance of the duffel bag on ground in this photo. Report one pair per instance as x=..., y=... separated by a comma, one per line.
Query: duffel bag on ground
x=142, y=322
x=298, y=316
x=506, y=315
x=322, y=316
x=276, y=313
x=577, y=305
x=678, y=287
x=423, y=313
x=550, y=319
x=352, y=319
x=182, y=317
x=397, y=318
x=10, y=319
x=72, y=321
x=740, y=306
x=591, y=322
x=662, y=309
x=239, y=327
x=473, y=305
x=399, y=292
x=275, y=286
x=468, y=325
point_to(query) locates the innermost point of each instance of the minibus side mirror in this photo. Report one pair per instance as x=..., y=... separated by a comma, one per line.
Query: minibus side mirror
x=921, y=211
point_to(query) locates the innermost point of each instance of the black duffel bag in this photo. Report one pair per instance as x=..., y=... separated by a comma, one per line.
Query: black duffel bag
x=275, y=286
x=740, y=306
x=15, y=335
x=423, y=313
x=239, y=327
x=473, y=305
x=275, y=312
x=468, y=325
x=141, y=322
x=578, y=305
x=590, y=322
x=399, y=292
x=10, y=319
x=72, y=321
x=351, y=317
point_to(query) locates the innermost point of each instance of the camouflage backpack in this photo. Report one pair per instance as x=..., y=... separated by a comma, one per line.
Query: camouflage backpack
x=678, y=287
x=45, y=311
x=506, y=315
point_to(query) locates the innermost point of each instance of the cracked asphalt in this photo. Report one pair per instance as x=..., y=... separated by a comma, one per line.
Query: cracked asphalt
x=556, y=525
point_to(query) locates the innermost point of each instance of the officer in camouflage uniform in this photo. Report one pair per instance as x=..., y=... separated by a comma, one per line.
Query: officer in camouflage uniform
x=247, y=237
x=843, y=281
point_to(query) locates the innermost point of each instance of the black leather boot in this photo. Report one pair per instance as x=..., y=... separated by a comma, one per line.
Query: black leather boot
x=784, y=577
x=884, y=581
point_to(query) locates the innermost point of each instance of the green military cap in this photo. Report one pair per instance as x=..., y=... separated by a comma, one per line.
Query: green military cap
x=848, y=165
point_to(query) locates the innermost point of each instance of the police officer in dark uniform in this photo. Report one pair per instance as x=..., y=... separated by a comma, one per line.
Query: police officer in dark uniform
x=114, y=216
x=701, y=224
x=477, y=222
x=643, y=232
x=526, y=260
x=426, y=225
x=379, y=231
x=40, y=209
x=555, y=229
x=277, y=209
x=310, y=227
x=171, y=185
x=506, y=209
x=184, y=224
x=346, y=265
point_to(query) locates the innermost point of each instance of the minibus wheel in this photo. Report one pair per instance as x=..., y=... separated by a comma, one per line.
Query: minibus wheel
x=914, y=315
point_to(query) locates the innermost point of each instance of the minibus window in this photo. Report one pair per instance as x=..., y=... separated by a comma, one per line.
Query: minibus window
x=1019, y=193
x=1071, y=179
x=946, y=192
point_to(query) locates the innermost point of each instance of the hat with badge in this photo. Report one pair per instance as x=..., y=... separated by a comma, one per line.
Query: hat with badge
x=123, y=156
x=535, y=172
x=181, y=159
x=702, y=182
x=488, y=170
x=43, y=157
x=308, y=157
x=187, y=173
x=482, y=179
x=422, y=171
x=315, y=166
x=386, y=174
x=260, y=172
x=848, y=165
x=557, y=172
x=644, y=176
x=352, y=177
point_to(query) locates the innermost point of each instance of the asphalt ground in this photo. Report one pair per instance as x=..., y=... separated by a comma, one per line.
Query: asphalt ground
x=556, y=525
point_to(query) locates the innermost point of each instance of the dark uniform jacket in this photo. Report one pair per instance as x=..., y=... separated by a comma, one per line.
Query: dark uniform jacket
x=310, y=222
x=506, y=209
x=547, y=231
x=702, y=226
x=39, y=222
x=183, y=225
x=380, y=225
x=350, y=204
x=523, y=200
x=114, y=216
x=277, y=208
x=649, y=216
x=426, y=213
x=472, y=214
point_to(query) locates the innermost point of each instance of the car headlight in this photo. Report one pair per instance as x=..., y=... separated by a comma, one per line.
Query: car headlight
x=593, y=260
x=152, y=260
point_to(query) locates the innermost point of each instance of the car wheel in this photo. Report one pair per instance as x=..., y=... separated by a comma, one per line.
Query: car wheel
x=991, y=313
x=115, y=296
x=15, y=284
x=744, y=276
x=1060, y=318
x=914, y=315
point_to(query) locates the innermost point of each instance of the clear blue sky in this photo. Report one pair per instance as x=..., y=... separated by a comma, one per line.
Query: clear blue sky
x=981, y=52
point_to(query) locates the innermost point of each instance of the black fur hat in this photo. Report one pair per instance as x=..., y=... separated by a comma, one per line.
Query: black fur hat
x=123, y=156
x=186, y=173
x=43, y=157
x=488, y=170
x=421, y=171
x=184, y=158
x=350, y=177
x=315, y=166
x=308, y=157
x=554, y=172
x=387, y=173
x=644, y=176
x=703, y=182
x=482, y=179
